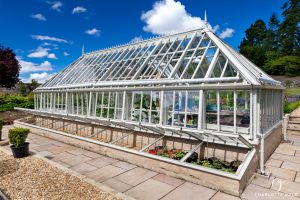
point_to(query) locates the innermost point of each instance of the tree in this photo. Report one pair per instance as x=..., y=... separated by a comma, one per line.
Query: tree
x=253, y=43
x=34, y=84
x=9, y=68
x=290, y=28
x=272, y=40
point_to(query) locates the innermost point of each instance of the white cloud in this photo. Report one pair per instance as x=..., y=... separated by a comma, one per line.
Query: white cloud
x=40, y=52
x=39, y=77
x=228, y=32
x=93, y=31
x=55, y=5
x=66, y=53
x=48, y=44
x=27, y=67
x=136, y=39
x=45, y=37
x=52, y=56
x=169, y=16
x=79, y=9
x=39, y=17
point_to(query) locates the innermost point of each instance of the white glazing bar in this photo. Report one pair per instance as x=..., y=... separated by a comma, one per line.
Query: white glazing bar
x=173, y=54
x=100, y=64
x=218, y=110
x=234, y=112
x=67, y=103
x=140, y=69
x=212, y=64
x=141, y=106
x=179, y=62
x=251, y=107
x=115, y=63
x=201, y=112
x=74, y=71
x=173, y=108
x=89, y=105
x=116, y=103
x=136, y=65
x=162, y=59
x=129, y=65
x=102, y=104
x=121, y=63
x=161, y=108
x=96, y=104
x=192, y=56
x=154, y=59
x=185, y=109
x=201, y=60
x=224, y=68
x=86, y=67
x=123, y=106
x=108, y=105
x=150, y=109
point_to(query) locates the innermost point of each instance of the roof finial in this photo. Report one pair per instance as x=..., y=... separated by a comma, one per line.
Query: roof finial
x=82, y=52
x=205, y=18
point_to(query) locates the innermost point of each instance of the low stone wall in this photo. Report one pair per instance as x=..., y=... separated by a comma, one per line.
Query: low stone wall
x=231, y=184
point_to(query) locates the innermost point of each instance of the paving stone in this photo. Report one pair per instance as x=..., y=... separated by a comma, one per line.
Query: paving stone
x=62, y=156
x=297, y=154
x=168, y=180
x=287, y=187
x=92, y=154
x=76, y=160
x=83, y=168
x=136, y=176
x=286, y=158
x=58, y=149
x=44, y=147
x=102, y=161
x=124, y=165
x=223, y=196
x=105, y=173
x=117, y=185
x=150, y=190
x=262, y=181
x=63, y=164
x=44, y=153
x=78, y=151
x=281, y=173
x=254, y=192
x=297, y=179
x=190, y=191
x=285, y=150
x=274, y=162
x=291, y=166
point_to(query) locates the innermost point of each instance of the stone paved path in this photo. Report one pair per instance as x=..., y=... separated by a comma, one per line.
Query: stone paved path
x=143, y=184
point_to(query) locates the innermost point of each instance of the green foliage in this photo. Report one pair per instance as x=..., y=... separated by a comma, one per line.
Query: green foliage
x=290, y=107
x=17, y=136
x=9, y=101
x=293, y=91
x=275, y=48
x=286, y=65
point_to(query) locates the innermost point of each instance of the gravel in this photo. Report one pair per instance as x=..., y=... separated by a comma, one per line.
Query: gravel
x=32, y=178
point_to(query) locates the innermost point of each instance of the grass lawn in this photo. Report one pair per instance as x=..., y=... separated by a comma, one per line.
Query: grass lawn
x=293, y=91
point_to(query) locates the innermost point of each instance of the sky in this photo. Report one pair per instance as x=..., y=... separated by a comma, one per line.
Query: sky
x=48, y=35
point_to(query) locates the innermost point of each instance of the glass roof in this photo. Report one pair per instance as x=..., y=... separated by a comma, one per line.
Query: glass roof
x=193, y=55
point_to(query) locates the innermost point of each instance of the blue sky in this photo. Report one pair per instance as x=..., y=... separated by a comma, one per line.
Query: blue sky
x=48, y=35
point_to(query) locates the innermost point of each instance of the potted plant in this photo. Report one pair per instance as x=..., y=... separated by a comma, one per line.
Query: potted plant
x=17, y=137
x=1, y=125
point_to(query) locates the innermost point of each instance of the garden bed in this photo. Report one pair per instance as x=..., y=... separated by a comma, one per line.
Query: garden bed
x=211, y=162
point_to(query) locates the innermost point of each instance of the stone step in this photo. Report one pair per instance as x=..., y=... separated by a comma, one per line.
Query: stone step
x=294, y=122
x=294, y=129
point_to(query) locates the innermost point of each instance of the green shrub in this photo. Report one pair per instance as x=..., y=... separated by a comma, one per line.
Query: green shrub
x=290, y=107
x=17, y=136
x=9, y=101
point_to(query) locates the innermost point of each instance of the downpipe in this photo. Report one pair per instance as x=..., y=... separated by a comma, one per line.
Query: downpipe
x=262, y=154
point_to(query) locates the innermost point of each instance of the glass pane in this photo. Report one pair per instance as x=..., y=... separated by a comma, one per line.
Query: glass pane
x=155, y=106
x=192, y=109
x=243, y=108
x=179, y=108
x=227, y=108
x=168, y=108
x=145, y=107
x=211, y=107
x=137, y=99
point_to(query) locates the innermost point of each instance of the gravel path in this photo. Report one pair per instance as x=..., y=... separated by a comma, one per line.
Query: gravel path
x=32, y=178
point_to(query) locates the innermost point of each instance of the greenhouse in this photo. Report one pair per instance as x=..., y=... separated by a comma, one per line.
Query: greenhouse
x=189, y=87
